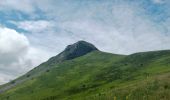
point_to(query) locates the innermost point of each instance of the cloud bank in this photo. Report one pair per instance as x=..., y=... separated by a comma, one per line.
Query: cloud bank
x=16, y=54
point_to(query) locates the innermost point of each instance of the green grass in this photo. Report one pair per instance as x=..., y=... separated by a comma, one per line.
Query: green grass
x=98, y=76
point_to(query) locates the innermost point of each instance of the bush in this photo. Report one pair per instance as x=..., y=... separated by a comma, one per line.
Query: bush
x=12, y=82
x=7, y=97
x=28, y=75
x=47, y=70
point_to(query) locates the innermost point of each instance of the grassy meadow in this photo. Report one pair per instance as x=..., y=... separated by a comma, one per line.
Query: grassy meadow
x=98, y=76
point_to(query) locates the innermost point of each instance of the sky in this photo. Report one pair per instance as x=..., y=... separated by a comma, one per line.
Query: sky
x=32, y=31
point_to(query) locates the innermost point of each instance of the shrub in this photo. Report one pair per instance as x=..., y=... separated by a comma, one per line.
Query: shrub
x=47, y=70
x=28, y=75
x=7, y=97
x=12, y=82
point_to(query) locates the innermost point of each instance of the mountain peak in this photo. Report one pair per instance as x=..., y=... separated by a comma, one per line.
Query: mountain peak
x=75, y=50
x=81, y=46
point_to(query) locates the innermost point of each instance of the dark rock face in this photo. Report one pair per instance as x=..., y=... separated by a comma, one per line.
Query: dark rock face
x=75, y=50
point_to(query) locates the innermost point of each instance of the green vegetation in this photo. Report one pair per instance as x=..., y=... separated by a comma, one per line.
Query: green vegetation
x=97, y=76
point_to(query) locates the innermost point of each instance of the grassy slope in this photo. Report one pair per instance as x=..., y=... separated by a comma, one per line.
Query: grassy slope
x=102, y=76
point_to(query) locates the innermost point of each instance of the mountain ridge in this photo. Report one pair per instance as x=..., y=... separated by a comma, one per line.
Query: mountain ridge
x=93, y=73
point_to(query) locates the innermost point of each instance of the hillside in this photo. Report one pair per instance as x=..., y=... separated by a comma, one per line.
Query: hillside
x=90, y=74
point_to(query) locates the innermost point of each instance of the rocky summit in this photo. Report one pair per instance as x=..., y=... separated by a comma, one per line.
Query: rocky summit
x=75, y=50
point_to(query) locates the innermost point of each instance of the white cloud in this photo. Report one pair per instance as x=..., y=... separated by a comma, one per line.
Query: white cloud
x=4, y=78
x=12, y=45
x=35, y=26
x=17, y=53
x=26, y=6
x=126, y=31
x=158, y=1
x=117, y=28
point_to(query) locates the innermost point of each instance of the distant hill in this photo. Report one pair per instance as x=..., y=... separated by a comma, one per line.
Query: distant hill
x=82, y=72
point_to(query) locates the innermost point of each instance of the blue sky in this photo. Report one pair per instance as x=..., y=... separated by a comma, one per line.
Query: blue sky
x=31, y=31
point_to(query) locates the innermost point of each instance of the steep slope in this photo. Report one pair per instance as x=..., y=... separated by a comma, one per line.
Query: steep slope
x=75, y=50
x=62, y=78
x=95, y=75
